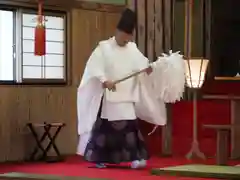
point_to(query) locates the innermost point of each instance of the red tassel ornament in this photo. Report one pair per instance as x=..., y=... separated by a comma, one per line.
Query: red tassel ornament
x=40, y=33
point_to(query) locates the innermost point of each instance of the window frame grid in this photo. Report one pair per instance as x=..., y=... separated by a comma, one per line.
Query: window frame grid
x=46, y=80
x=13, y=10
x=18, y=51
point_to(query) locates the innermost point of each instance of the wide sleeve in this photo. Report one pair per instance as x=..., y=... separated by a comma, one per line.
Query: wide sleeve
x=142, y=61
x=95, y=66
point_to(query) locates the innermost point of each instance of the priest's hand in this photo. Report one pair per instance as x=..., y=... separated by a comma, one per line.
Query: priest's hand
x=109, y=85
x=149, y=70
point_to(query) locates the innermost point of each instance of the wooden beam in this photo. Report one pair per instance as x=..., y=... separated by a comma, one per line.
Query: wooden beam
x=167, y=24
x=227, y=78
x=98, y=6
x=235, y=133
x=150, y=30
x=65, y=5
x=132, y=5
x=167, y=133
x=59, y=3
x=221, y=97
x=158, y=28
x=141, y=28
x=164, y=6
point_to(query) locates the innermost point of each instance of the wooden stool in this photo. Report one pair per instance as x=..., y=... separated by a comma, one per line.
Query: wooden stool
x=47, y=129
x=223, y=132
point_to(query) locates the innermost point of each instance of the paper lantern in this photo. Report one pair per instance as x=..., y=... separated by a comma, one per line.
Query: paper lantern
x=195, y=72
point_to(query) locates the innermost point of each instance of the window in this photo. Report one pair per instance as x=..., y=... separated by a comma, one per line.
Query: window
x=6, y=45
x=17, y=60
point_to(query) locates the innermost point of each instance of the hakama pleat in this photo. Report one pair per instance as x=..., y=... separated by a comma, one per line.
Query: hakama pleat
x=114, y=142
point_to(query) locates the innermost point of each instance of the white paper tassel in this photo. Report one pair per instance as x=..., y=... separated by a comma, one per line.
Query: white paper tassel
x=169, y=77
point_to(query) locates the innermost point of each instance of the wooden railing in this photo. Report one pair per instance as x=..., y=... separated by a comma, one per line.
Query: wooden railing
x=237, y=78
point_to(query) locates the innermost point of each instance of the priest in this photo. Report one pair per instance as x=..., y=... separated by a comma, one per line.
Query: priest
x=118, y=87
x=107, y=122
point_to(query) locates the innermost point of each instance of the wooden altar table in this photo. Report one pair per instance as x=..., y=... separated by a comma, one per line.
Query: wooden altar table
x=235, y=121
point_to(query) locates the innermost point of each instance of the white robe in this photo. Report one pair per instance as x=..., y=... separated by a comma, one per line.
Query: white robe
x=111, y=62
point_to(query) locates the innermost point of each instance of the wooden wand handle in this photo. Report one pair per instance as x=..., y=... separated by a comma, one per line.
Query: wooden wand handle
x=130, y=76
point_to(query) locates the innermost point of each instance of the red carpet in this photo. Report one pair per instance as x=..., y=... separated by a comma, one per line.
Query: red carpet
x=76, y=167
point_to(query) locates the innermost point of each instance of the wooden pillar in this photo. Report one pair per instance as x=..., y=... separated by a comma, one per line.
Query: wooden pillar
x=158, y=27
x=132, y=5
x=167, y=133
x=153, y=37
x=166, y=46
x=141, y=26
x=167, y=23
x=150, y=30
x=235, y=133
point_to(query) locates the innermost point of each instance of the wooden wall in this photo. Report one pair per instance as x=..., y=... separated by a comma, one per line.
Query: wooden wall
x=197, y=27
x=23, y=104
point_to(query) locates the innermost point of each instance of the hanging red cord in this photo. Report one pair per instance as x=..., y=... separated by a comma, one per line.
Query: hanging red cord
x=40, y=32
